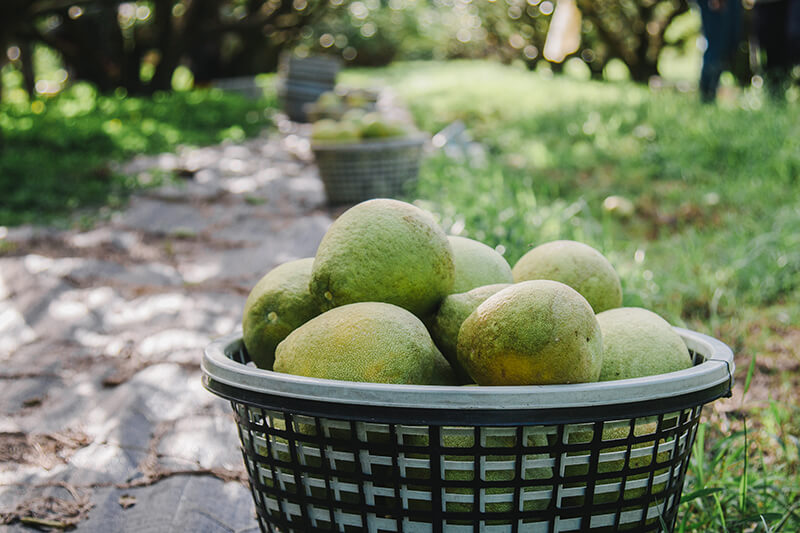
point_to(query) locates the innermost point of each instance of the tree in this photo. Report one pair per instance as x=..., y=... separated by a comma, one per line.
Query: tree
x=111, y=43
x=628, y=30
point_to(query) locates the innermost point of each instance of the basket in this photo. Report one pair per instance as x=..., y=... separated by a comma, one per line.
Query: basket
x=244, y=85
x=318, y=69
x=324, y=455
x=380, y=168
x=294, y=97
x=302, y=80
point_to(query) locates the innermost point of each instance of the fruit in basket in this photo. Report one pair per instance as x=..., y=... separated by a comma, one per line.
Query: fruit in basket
x=328, y=100
x=532, y=333
x=354, y=116
x=637, y=343
x=367, y=342
x=455, y=308
x=376, y=126
x=497, y=467
x=610, y=459
x=276, y=305
x=578, y=265
x=477, y=264
x=384, y=250
x=329, y=130
x=443, y=372
x=356, y=98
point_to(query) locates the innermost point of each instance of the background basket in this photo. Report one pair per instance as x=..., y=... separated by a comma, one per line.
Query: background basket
x=326, y=455
x=380, y=168
x=302, y=79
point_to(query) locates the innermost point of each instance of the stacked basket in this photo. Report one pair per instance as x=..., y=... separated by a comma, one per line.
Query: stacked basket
x=302, y=80
x=326, y=455
x=375, y=168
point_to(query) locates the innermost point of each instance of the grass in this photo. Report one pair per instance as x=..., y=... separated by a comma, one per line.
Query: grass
x=713, y=243
x=55, y=152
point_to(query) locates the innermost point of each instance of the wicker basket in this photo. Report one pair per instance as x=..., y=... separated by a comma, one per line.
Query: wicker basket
x=326, y=455
x=380, y=168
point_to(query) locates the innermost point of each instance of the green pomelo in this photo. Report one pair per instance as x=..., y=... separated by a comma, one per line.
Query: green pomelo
x=375, y=126
x=354, y=116
x=384, y=250
x=443, y=372
x=367, y=342
x=277, y=304
x=576, y=264
x=328, y=100
x=360, y=98
x=455, y=308
x=477, y=265
x=532, y=333
x=638, y=343
x=328, y=130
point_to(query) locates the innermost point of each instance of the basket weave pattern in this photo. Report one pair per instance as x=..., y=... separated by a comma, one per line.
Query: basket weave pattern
x=336, y=475
x=302, y=81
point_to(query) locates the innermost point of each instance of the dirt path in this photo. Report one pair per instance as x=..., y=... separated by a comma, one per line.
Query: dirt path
x=105, y=425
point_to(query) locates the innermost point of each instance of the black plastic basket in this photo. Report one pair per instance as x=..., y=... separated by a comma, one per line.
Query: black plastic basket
x=302, y=80
x=326, y=455
x=317, y=69
x=379, y=168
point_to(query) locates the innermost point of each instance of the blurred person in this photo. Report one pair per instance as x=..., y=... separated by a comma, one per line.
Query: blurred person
x=777, y=33
x=722, y=25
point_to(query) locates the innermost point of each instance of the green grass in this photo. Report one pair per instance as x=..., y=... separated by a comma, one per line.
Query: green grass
x=55, y=152
x=716, y=188
x=713, y=244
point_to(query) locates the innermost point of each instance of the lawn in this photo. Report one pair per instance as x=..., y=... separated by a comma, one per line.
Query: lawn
x=712, y=242
x=56, y=152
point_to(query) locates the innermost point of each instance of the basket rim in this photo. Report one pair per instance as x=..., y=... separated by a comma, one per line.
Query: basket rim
x=714, y=373
x=413, y=139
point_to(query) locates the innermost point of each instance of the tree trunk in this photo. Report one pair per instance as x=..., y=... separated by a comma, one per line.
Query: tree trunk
x=168, y=47
x=201, y=42
x=28, y=74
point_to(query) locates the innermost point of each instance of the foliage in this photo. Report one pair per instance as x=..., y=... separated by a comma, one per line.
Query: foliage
x=139, y=45
x=631, y=31
x=369, y=32
x=57, y=151
x=734, y=486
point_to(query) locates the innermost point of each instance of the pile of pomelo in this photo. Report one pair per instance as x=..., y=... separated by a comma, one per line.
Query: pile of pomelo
x=390, y=298
x=357, y=125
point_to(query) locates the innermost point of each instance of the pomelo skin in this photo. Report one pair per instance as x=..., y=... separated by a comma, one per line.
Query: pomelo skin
x=477, y=264
x=576, y=264
x=367, y=342
x=454, y=310
x=276, y=305
x=532, y=333
x=384, y=250
x=638, y=343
